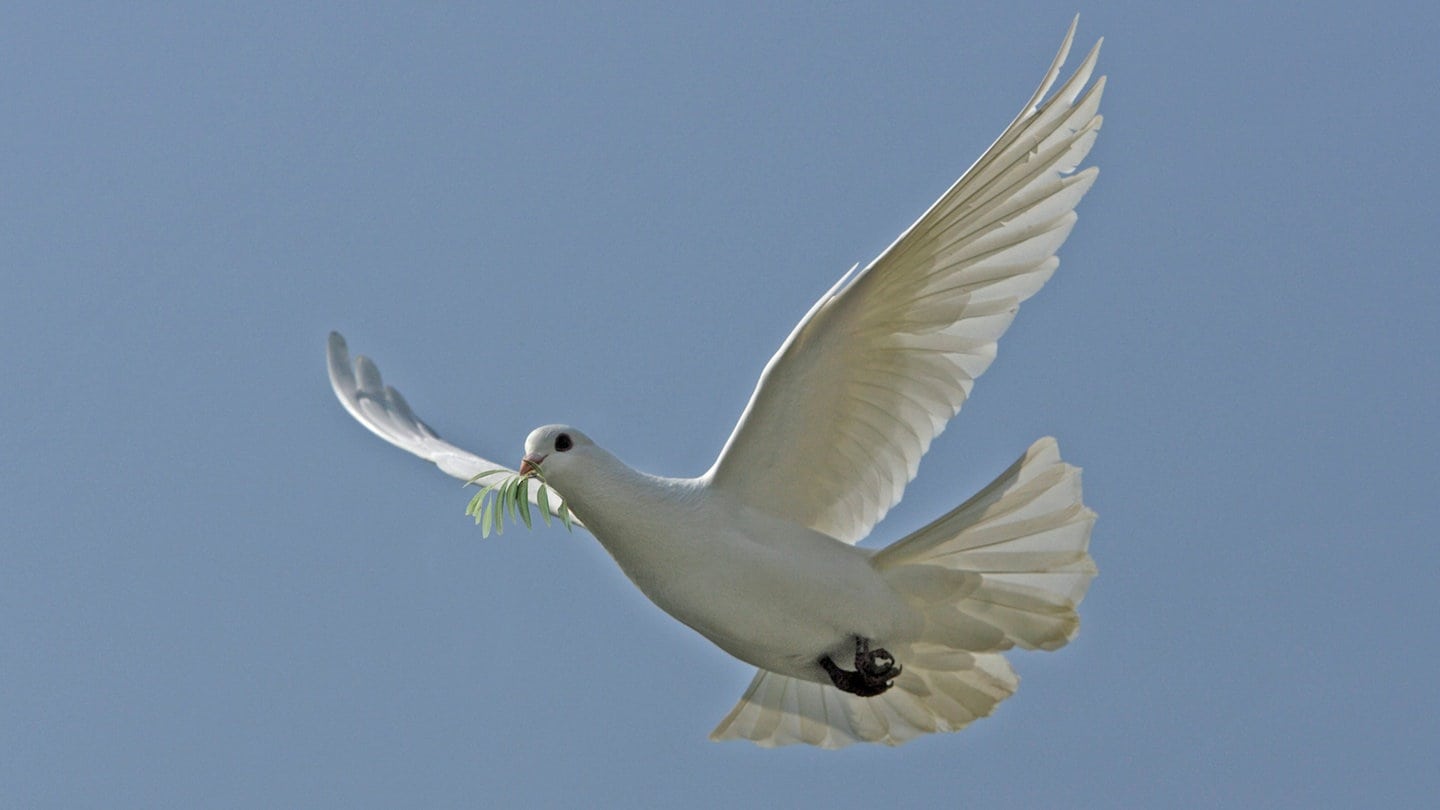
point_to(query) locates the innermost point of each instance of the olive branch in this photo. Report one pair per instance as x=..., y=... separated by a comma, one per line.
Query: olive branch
x=512, y=499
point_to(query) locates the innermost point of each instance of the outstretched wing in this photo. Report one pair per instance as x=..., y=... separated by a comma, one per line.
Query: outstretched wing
x=385, y=413
x=845, y=409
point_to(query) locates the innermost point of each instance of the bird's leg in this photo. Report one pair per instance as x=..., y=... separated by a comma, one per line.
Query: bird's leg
x=875, y=671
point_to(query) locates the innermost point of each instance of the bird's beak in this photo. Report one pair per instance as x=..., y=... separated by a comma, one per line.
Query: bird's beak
x=530, y=464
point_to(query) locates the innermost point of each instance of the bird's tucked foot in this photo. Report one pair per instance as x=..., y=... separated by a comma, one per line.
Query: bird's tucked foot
x=875, y=671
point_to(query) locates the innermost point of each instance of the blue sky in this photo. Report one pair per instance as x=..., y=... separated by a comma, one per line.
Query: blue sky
x=217, y=590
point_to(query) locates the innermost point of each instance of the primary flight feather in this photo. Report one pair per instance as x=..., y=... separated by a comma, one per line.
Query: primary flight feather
x=757, y=554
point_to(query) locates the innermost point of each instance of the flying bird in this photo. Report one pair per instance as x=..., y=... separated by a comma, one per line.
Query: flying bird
x=758, y=554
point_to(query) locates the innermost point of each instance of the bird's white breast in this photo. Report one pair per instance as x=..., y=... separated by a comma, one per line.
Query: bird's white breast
x=769, y=592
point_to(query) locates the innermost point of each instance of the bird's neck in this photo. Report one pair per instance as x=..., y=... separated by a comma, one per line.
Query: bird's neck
x=617, y=502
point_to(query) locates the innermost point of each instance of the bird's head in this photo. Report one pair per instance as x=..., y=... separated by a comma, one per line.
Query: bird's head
x=553, y=449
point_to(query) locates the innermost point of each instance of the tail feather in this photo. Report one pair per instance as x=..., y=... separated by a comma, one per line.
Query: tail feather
x=781, y=710
x=1006, y=568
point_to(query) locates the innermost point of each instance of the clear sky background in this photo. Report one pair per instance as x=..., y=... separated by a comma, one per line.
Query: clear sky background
x=216, y=590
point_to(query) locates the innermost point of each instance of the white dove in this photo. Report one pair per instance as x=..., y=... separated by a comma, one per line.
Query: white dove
x=757, y=554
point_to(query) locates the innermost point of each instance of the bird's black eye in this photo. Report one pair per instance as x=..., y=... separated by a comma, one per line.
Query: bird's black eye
x=563, y=442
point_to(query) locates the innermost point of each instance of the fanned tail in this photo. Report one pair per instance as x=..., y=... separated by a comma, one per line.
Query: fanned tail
x=1006, y=568
x=941, y=692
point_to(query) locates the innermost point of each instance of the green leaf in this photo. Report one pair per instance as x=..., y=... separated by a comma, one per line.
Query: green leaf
x=484, y=520
x=486, y=474
x=565, y=515
x=525, y=504
x=542, y=498
x=507, y=497
x=500, y=505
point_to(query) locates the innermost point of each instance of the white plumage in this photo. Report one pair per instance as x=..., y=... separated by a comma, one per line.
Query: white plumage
x=757, y=554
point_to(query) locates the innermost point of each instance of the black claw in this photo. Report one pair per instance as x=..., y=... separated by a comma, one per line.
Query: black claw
x=875, y=671
x=878, y=664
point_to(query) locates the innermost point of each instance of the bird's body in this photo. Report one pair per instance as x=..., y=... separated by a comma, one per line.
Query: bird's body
x=757, y=554
x=769, y=592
